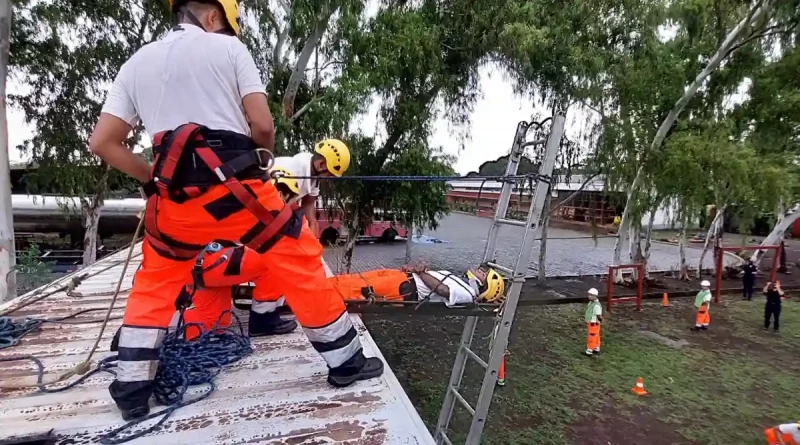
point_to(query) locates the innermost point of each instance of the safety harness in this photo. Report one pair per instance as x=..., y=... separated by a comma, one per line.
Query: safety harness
x=225, y=158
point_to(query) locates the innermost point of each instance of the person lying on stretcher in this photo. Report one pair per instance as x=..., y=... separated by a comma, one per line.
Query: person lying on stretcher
x=414, y=282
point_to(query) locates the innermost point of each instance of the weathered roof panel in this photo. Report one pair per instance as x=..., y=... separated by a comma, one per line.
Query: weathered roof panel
x=277, y=395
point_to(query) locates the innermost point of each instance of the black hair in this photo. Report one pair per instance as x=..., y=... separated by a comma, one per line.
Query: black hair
x=183, y=11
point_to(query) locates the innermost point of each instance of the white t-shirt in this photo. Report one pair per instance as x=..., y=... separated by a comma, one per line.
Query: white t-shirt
x=187, y=76
x=461, y=292
x=791, y=428
x=300, y=165
x=597, y=312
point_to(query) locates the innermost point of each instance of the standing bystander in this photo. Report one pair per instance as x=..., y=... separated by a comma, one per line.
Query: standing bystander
x=749, y=271
x=772, y=308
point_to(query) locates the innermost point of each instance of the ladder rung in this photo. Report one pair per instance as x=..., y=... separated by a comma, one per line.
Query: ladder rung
x=505, y=269
x=475, y=357
x=536, y=142
x=445, y=438
x=463, y=401
x=512, y=222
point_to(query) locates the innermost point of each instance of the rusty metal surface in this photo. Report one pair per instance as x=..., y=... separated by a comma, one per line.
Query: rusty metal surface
x=277, y=395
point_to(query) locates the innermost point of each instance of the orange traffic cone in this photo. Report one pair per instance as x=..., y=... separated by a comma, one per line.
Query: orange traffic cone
x=639, y=388
x=665, y=300
x=501, y=375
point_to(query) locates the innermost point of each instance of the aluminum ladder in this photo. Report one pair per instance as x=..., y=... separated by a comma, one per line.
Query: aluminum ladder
x=517, y=275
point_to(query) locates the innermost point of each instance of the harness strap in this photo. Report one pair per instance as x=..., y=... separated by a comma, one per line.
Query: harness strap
x=270, y=223
x=273, y=223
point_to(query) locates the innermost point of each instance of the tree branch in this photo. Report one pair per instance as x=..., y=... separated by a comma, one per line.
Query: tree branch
x=305, y=56
x=304, y=108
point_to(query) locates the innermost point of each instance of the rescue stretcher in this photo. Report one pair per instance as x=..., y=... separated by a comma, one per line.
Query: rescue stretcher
x=242, y=296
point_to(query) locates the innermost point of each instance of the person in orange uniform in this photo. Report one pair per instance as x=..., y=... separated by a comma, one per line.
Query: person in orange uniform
x=593, y=318
x=702, y=302
x=786, y=434
x=219, y=268
x=200, y=97
x=417, y=283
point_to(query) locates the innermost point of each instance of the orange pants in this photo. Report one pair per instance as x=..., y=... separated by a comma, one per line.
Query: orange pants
x=387, y=284
x=703, y=318
x=593, y=339
x=220, y=272
x=775, y=437
x=294, y=263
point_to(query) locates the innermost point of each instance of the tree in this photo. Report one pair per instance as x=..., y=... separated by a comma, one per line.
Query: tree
x=67, y=74
x=8, y=282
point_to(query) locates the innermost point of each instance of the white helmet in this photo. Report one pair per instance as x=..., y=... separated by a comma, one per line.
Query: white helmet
x=705, y=283
x=593, y=292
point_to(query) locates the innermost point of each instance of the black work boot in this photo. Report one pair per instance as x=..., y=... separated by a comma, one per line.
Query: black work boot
x=356, y=368
x=269, y=323
x=134, y=413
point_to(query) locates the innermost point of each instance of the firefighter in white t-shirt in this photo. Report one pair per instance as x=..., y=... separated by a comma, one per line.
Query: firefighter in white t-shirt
x=331, y=157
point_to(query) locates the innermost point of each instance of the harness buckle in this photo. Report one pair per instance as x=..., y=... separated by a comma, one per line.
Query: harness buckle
x=265, y=165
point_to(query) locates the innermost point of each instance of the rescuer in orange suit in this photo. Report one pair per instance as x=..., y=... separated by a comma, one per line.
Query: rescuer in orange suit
x=786, y=434
x=219, y=268
x=200, y=97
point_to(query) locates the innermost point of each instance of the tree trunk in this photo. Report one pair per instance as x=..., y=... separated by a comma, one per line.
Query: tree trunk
x=305, y=56
x=648, y=237
x=712, y=234
x=684, y=268
x=625, y=222
x=8, y=276
x=352, y=237
x=408, y=242
x=91, y=218
x=775, y=237
x=542, y=277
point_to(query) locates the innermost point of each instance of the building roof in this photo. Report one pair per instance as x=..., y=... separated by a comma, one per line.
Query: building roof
x=277, y=395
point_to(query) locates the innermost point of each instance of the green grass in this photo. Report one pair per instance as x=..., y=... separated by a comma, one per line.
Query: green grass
x=723, y=388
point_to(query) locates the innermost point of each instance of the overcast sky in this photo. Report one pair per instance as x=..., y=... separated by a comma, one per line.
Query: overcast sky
x=493, y=123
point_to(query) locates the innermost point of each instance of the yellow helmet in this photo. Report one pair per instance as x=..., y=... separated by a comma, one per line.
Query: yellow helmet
x=282, y=176
x=230, y=7
x=336, y=154
x=493, y=288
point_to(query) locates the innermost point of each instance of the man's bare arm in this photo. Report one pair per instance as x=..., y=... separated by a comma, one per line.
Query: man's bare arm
x=310, y=210
x=262, y=127
x=108, y=142
x=435, y=284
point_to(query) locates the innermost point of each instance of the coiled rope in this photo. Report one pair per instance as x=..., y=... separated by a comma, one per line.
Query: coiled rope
x=188, y=363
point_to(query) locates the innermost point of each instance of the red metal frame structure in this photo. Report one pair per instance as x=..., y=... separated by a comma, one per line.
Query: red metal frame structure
x=639, y=287
x=721, y=253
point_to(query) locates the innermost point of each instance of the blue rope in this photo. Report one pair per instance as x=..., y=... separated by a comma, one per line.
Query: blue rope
x=188, y=363
x=510, y=178
x=183, y=364
x=12, y=331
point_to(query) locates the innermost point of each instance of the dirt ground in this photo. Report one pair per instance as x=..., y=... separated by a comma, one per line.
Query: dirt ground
x=718, y=387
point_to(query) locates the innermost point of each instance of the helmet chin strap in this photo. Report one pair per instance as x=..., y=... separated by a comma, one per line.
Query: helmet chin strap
x=195, y=21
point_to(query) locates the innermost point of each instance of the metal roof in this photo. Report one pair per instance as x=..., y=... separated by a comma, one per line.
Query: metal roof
x=277, y=395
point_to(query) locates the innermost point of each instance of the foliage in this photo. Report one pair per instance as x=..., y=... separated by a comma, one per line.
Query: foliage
x=30, y=266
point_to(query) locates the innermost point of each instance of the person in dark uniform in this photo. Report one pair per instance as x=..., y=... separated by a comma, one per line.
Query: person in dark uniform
x=772, y=309
x=749, y=271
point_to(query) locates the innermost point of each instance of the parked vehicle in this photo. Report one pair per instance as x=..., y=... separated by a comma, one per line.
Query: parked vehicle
x=384, y=226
